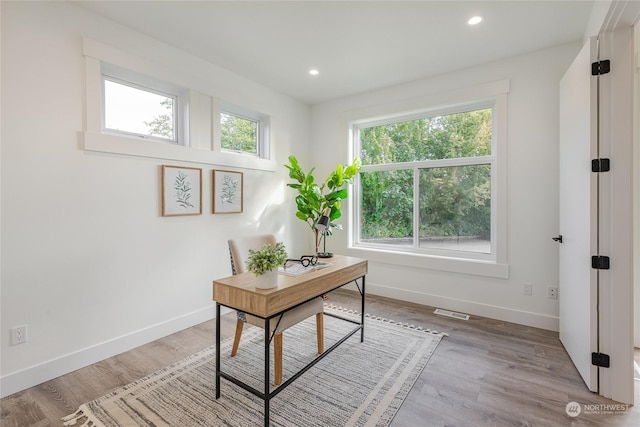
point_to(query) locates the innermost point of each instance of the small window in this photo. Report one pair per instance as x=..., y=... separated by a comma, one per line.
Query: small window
x=239, y=134
x=147, y=107
x=139, y=111
x=137, y=105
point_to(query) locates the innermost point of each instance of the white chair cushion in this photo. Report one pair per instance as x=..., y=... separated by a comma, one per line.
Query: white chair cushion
x=290, y=318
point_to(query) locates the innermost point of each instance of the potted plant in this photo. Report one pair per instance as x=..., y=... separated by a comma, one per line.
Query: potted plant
x=264, y=263
x=313, y=200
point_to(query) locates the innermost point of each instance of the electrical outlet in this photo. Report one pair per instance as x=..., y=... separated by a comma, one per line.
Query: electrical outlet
x=19, y=335
x=527, y=289
x=552, y=292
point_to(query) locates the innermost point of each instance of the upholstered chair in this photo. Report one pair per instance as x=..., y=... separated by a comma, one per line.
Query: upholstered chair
x=239, y=251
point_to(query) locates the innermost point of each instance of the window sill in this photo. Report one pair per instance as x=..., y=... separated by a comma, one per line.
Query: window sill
x=430, y=262
x=131, y=146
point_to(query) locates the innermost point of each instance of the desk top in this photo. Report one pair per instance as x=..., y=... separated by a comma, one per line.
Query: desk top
x=239, y=291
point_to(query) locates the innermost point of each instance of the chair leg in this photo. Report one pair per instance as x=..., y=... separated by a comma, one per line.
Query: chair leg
x=320, y=331
x=236, y=340
x=277, y=355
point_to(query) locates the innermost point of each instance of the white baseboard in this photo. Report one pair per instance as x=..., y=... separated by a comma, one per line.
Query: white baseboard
x=37, y=374
x=506, y=314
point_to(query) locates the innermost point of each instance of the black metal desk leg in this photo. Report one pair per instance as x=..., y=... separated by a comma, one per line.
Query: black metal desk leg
x=217, y=350
x=267, y=339
x=362, y=311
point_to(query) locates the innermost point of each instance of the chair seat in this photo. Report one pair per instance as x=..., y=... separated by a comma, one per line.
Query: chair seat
x=289, y=318
x=238, y=250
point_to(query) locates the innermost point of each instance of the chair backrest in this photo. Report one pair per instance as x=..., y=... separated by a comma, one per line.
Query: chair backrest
x=239, y=250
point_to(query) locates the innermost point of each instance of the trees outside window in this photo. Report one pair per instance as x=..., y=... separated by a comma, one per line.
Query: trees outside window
x=426, y=182
x=136, y=110
x=239, y=133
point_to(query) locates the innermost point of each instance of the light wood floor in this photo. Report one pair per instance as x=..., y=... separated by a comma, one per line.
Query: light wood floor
x=486, y=373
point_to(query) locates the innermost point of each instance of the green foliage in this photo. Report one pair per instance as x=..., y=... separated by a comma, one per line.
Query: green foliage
x=313, y=199
x=453, y=201
x=238, y=134
x=162, y=125
x=266, y=258
x=452, y=136
x=387, y=203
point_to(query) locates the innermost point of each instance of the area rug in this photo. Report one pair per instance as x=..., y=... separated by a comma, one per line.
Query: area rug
x=358, y=384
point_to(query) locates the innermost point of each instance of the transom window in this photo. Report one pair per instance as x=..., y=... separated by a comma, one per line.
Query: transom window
x=139, y=111
x=239, y=134
x=427, y=183
x=136, y=105
x=143, y=106
x=243, y=131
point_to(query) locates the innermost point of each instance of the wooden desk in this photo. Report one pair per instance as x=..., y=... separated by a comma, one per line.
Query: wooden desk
x=239, y=292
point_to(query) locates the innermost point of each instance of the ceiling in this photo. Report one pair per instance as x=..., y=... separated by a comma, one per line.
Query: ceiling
x=357, y=46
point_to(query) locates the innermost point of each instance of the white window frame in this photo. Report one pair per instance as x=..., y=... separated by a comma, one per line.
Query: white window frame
x=138, y=81
x=200, y=142
x=263, y=121
x=494, y=264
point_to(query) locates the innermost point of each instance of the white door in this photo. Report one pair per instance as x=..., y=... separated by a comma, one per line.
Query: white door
x=615, y=230
x=578, y=294
x=596, y=121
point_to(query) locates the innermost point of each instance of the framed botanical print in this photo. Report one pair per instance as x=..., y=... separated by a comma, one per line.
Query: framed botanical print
x=227, y=191
x=181, y=191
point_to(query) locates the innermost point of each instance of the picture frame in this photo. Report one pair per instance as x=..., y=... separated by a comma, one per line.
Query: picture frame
x=181, y=191
x=227, y=191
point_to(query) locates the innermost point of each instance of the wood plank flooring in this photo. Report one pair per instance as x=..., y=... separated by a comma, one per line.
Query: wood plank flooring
x=486, y=373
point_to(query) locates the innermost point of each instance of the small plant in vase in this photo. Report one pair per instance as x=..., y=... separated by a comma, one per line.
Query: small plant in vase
x=264, y=263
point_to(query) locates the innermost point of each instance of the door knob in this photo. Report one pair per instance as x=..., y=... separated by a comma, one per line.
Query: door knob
x=558, y=239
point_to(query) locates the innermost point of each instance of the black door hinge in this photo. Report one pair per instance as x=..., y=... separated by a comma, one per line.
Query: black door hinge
x=600, y=67
x=600, y=165
x=600, y=262
x=600, y=359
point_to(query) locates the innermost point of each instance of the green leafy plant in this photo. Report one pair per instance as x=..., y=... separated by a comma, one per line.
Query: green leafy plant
x=266, y=258
x=313, y=199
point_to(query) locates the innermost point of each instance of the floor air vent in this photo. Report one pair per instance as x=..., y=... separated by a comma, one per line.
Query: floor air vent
x=451, y=314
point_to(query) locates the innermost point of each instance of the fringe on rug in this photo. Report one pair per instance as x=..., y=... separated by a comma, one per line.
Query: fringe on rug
x=383, y=319
x=82, y=412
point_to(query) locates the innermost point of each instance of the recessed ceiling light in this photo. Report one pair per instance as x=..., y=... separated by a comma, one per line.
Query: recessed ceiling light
x=475, y=20
x=314, y=72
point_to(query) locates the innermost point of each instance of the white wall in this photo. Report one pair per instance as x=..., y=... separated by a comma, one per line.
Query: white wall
x=88, y=263
x=532, y=188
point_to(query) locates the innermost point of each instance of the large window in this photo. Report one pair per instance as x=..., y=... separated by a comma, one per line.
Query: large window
x=427, y=184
